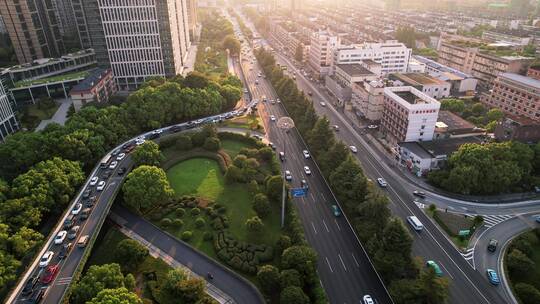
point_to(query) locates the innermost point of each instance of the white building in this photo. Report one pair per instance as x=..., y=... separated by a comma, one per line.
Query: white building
x=392, y=55
x=429, y=85
x=368, y=99
x=145, y=38
x=8, y=121
x=408, y=115
x=461, y=82
x=320, y=52
x=345, y=75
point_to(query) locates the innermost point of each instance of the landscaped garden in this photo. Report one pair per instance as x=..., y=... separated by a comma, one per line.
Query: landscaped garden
x=523, y=266
x=32, y=114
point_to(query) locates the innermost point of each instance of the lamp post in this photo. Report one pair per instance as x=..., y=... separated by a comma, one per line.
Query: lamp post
x=284, y=123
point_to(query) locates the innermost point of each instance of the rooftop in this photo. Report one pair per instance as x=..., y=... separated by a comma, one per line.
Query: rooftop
x=415, y=148
x=354, y=69
x=455, y=123
x=58, y=78
x=93, y=78
x=522, y=79
x=416, y=79
x=408, y=96
x=447, y=146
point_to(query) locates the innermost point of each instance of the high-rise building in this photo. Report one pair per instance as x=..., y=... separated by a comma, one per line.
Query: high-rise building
x=191, y=6
x=136, y=38
x=8, y=122
x=33, y=28
x=320, y=52
x=66, y=18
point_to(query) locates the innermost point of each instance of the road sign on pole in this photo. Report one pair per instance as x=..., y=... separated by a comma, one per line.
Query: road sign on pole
x=298, y=192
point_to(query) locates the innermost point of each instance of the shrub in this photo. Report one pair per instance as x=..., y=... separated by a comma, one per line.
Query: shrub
x=527, y=293
x=180, y=212
x=186, y=235
x=208, y=236
x=212, y=144
x=167, y=142
x=166, y=222
x=178, y=223
x=254, y=224
x=200, y=222
x=195, y=211
x=261, y=205
x=184, y=143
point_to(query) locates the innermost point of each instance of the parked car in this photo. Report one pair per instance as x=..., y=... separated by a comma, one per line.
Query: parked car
x=307, y=170
x=336, y=211
x=93, y=181
x=100, y=186
x=493, y=277
x=382, y=182
x=46, y=259
x=288, y=175
x=64, y=251
x=435, y=267
x=306, y=154
x=353, y=149
x=419, y=193
x=76, y=209
x=73, y=232
x=50, y=273
x=60, y=237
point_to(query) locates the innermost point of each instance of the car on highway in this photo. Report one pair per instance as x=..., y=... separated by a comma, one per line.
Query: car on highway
x=537, y=218
x=90, y=201
x=307, y=170
x=83, y=240
x=372, y=127
x=257, y=137
x=271, y=145
x=106, y=174
x=94, y=180
x=282, y=156
x=50, y=273
x=29, y=286
x=323, y=104
x=492, y=276
x=306, y=154
x=288, y=175
x=336, y=211
x=122, y=170
x=336, y=128
x=46, y=259
x=310, y=93
x=115, y=152
x=100, y=186
x=85, y=213
x=64, y=251
x=492, y=245
x=139, y=141
x=419, y=194
x=435, y=267
x=353, y=149
x=382, y=182
x=367, y=299
x=121, y=156
x=86, y=193
x=304, y=184
x=76, y=209
x=37, y=296
x=60, y=237
x=113, y=164
x=73, y=232
x=272, y=118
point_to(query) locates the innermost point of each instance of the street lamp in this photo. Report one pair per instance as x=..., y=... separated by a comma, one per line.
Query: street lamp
x=285, y=123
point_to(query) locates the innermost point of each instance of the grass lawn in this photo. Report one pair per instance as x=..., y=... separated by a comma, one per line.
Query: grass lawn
x=452, y=223
x=69, y=76
x=245, y=122
x=35, y=114
x=232, y=147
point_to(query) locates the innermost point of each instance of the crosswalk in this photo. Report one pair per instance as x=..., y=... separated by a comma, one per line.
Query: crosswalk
x=63, y=281
x=468, y=254
x=492, y=220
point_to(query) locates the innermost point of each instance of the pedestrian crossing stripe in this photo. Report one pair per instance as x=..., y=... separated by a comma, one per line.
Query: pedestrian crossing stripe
x=492, y=220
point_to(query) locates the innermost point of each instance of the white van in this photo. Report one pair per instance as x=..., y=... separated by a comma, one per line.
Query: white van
x=415, y=223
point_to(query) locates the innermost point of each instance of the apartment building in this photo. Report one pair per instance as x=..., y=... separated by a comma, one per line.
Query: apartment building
x=145, y=38
x=392, y=55
x=322, y=44
x=429, y=85
x=90, y=29
x=484, y=66
x=345, y=75
x=99, y=86
x=462, y=83
x=8, y=121
x=516, y=95
x=191, y=7
x=534, y=72
x=408, y=115
x=33, y=28
x=367, y=99
x=516, y=37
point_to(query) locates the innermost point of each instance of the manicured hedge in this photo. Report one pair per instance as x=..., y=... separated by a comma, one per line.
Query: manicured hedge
x=240, y=255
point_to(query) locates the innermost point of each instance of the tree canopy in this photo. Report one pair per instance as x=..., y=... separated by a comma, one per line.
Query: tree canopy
x=146, y=187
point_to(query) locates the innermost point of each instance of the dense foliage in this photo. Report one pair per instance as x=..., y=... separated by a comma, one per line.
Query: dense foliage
x=522, y=265
x=385, y=238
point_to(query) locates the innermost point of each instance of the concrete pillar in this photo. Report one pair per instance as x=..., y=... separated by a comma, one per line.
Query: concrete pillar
x=47, y=88
x=31, y=95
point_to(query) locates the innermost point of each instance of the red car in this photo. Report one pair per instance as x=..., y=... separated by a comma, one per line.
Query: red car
x=50, y=273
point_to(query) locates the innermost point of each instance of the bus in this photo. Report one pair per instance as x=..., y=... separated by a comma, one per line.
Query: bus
x=105, y=161
x=415, y=223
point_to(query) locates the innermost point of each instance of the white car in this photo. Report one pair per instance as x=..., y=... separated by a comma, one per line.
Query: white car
x=113, y=165
x=140, y=141
x=353, y=149
x=77, y=208
x=158, y=131
x=60, y=237
x=121, y=156
x=307, y=170
x=381, y=182
x=101, y=186
x=368, y=300
x=93, y=181
x=272, y=118
x=288, y=176
x=372, y=127
x=46, y=259
x=323, y=104
x=306, y=154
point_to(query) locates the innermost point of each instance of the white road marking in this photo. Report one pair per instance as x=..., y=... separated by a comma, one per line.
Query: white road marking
x=324, y=223
x=339, y=228
x=329, y=266
x=312, y=225
x=323, y=197
x=312, y=196
x=355, y=261
x=342, y=263
x=451, y=276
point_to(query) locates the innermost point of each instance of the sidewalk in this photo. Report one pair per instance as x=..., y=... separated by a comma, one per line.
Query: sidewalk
x=60, y=116
x=190, y=60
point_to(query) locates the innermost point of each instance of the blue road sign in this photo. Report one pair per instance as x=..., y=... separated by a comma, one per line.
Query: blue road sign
x=298, y=192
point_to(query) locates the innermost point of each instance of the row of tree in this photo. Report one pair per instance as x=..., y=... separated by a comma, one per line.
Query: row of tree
x=386, y=238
